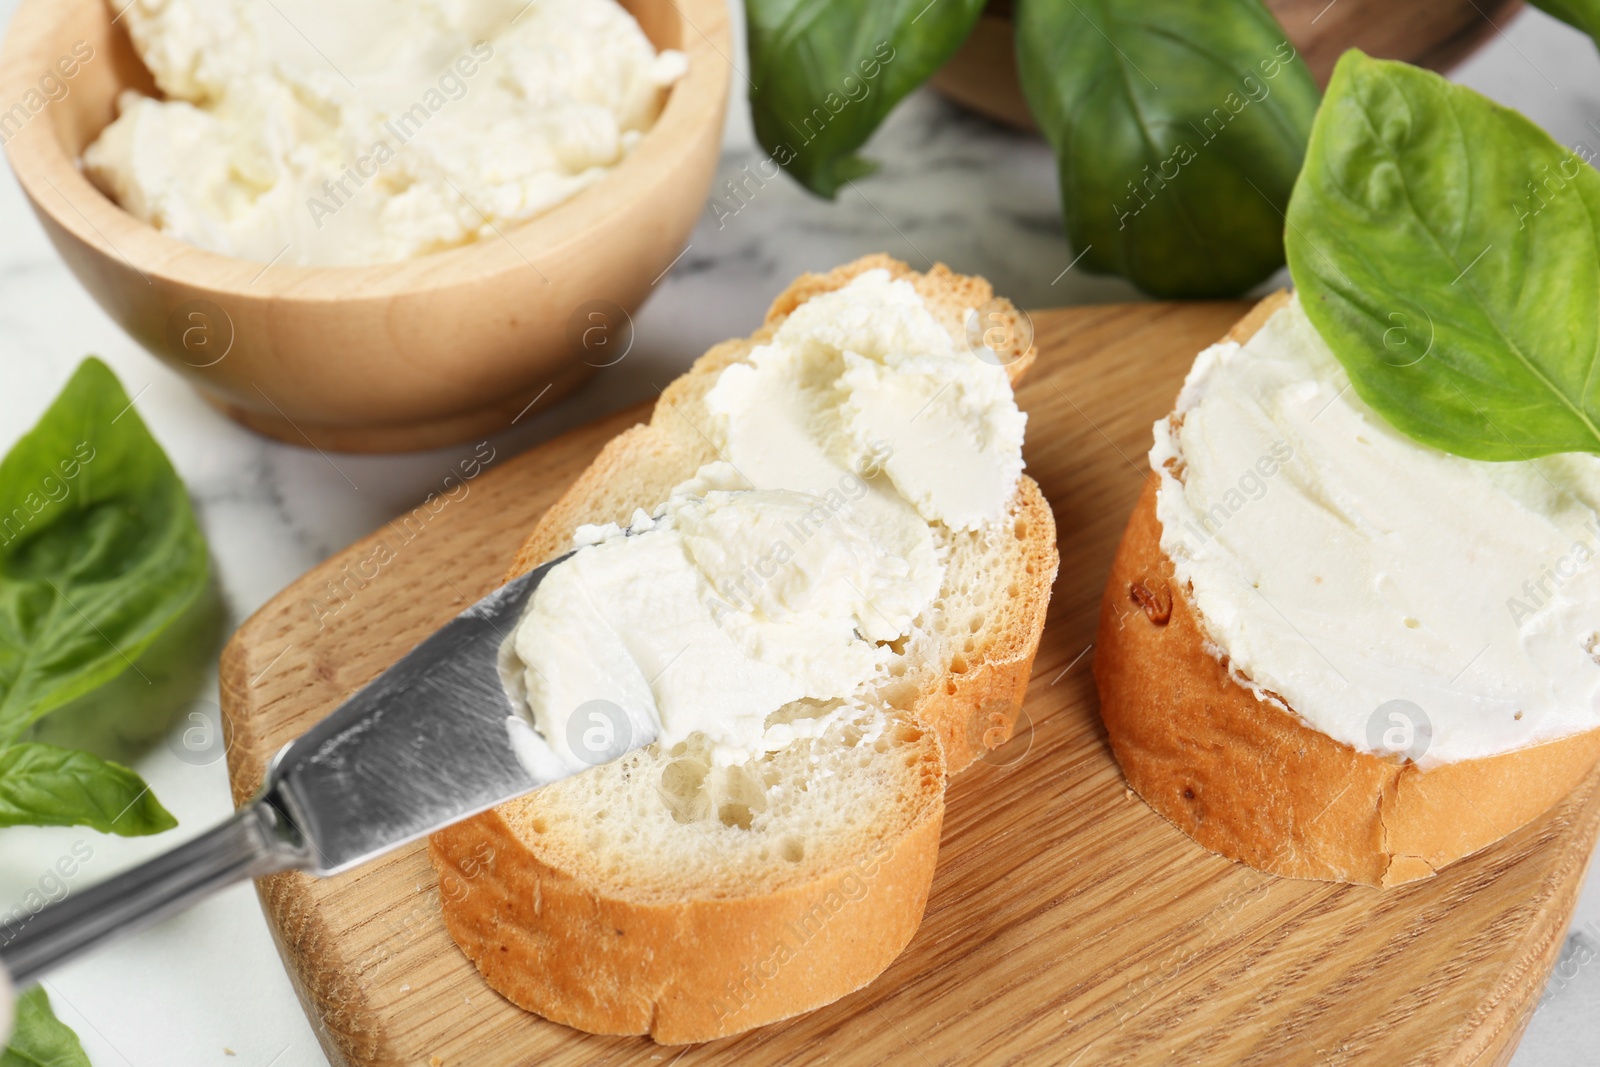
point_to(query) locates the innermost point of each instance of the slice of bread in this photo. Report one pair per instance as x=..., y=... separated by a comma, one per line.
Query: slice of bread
x=657, y=895
x=1251, y=780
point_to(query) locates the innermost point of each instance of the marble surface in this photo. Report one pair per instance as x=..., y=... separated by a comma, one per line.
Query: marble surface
x=207, y=987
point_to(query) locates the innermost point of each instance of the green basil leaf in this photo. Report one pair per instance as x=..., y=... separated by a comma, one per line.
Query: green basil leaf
x=1448, y=250
x=1584, y=14
x=41, y=785
x=99, y=550
x=39, y=1039
x=824, y=74
x=1178, y=130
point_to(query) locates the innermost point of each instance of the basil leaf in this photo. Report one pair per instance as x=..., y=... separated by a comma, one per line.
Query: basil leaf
x=825, y=73
x=1584, y=14
x=1449, y=253
x=1178, y=129
x=41, y=785
x=99, y=550
x=122, y=719
x=39, y=1039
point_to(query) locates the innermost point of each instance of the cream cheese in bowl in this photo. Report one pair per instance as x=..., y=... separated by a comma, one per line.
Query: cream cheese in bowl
x=369, y=131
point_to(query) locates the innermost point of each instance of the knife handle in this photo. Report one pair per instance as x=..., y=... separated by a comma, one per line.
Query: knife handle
x=258, y=840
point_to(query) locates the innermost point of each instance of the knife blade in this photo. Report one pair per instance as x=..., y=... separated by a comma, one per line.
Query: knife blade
x=433, y=740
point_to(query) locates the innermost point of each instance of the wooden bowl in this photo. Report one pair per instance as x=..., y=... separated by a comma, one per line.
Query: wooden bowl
x=397, y=356
x=1437, y=34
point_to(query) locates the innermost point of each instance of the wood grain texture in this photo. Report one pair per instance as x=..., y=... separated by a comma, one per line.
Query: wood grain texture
x=1068, y=923
x=1437, y=34
x=394, y=356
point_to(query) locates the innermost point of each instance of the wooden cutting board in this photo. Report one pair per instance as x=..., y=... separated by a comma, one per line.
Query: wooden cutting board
x=1068, y=923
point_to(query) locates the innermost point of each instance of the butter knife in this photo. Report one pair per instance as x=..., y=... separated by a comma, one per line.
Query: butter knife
x=433, y=740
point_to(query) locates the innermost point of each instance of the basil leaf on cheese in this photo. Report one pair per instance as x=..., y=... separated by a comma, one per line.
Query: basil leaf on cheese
x=1448, y=250
x=825, y=73
x=99, y=549
x=1584, y=14
x=39, y=1039
x=41, y=785
x=1178, y=129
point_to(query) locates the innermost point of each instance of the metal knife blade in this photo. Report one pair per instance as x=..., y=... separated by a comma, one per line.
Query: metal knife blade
x=427, y=743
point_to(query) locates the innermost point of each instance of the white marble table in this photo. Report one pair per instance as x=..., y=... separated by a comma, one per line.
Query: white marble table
x=207, y=987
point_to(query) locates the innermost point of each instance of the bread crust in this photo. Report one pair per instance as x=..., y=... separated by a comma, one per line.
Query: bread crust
x=587, y=952
x=588, y=955
x=1251, y=780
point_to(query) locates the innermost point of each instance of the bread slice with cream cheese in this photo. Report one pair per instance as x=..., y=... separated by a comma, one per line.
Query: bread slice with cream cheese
x=663, y=895
x=1245, y=775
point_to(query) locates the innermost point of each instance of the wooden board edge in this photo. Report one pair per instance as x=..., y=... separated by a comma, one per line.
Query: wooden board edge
x=1514, y=1000
x=287, y=900
x=298, y=931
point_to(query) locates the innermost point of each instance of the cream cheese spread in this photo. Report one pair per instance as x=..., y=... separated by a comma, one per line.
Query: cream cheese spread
x=778, y=578
x=865, y=379
x=707, y=619
x=370, y=131
x=1341, y=566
